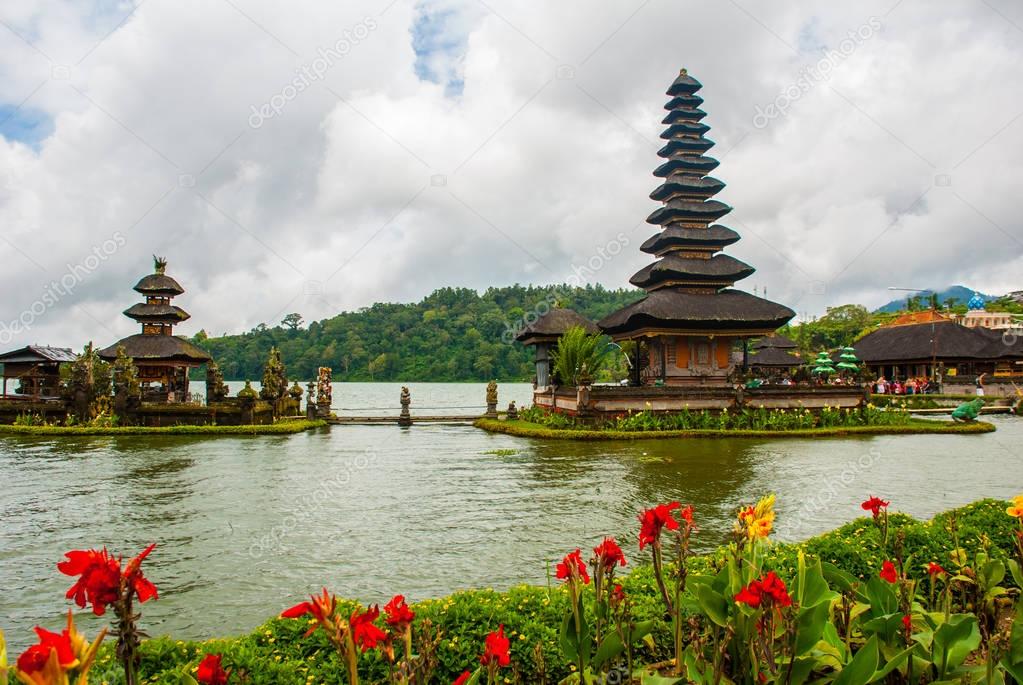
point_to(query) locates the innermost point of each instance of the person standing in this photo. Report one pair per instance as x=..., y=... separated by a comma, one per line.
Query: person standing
x=980, y=385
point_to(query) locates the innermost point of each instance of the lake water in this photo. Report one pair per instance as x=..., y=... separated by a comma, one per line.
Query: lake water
x=246, y=526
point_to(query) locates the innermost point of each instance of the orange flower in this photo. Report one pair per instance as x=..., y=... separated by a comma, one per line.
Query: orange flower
x=1016, y=510
x=758, y=520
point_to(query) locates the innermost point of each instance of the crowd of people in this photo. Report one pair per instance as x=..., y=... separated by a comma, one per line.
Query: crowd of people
x=911, y=386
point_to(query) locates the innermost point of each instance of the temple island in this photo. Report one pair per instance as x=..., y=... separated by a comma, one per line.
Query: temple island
x=143, y=380
x=688, y=337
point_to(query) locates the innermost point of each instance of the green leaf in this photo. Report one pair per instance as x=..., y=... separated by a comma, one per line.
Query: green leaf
x=893, y=663
x=810, y=627
x=612, y=646
x=881, y=595
x=953, y=642
x=1017, y=574
x=714, y=605
x=801, y=670
x=843, y=580
x=187, y=679
x=861, y=669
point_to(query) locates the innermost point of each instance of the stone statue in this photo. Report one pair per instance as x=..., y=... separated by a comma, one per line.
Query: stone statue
x=491, y=400
x=968, y=411
x=405, y=418
x=323, y=392
x=216, y=389
x=513, y=412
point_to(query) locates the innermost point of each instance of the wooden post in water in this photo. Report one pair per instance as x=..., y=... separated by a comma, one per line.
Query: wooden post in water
x=405, y=418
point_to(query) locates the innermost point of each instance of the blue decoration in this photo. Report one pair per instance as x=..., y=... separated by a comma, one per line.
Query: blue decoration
x=976, y=302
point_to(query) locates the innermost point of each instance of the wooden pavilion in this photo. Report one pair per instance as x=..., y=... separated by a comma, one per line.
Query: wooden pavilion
x=692, y=321
x=36, y=368
x=163, y=359
x=543, y=334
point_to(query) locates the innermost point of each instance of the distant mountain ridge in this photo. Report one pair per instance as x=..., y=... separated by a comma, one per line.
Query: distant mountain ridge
x=958, y=294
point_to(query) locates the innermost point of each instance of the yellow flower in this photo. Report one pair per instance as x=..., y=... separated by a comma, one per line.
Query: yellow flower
x=758, y=520
x=1016, y=510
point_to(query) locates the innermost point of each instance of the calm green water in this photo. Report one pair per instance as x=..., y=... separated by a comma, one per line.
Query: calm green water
x=247, y=526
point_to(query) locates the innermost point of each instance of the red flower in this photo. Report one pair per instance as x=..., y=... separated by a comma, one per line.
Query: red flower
x=211, y=672
x=935, y=569
x=652, y=521
x=770, y=589
x=364, y=632
x=751, y=595
x=907, y=623
x=496, y=649
x=573, y=561
x=686, y=514
x=888, y=572
x=609, y=554
x=320, y=607
x=398, y=613
x=99, y=581
x=774, y=586
x=100, y=577
x=35, y=657
x=874, y=505
x=462, y=679
x=617, y=595
x=144, y=589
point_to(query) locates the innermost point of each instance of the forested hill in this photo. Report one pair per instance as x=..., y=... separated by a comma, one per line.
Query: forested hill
x=454, y=334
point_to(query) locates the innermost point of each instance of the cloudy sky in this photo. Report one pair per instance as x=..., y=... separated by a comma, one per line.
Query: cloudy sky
x=315, y=156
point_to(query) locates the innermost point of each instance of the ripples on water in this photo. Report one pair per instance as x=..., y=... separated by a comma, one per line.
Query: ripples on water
x=370, y=511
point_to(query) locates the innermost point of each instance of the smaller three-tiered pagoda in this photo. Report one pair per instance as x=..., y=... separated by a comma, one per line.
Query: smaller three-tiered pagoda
x=163, y=359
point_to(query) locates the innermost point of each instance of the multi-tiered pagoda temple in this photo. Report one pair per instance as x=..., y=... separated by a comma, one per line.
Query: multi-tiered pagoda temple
x=163, y=359
x=691, y=322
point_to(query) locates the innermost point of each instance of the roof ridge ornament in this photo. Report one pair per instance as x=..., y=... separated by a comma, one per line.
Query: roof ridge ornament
x=159, y=265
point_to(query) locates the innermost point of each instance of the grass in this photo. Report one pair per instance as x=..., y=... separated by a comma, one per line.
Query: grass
x=524, y=429
x=279, y=428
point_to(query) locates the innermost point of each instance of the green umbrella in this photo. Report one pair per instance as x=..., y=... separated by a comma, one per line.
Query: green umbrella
x=823, y=364
x=849, y=361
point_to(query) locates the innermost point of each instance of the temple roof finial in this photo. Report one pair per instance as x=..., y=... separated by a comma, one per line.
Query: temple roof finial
x=159, y=264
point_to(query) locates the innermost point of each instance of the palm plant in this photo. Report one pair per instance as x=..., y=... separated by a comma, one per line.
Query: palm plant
x=579, y=355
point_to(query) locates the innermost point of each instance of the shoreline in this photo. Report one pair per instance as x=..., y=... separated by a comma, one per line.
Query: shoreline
x=524, y=429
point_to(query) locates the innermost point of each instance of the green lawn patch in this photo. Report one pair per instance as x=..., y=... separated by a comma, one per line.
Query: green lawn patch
x=525, y=429
x=279, y=428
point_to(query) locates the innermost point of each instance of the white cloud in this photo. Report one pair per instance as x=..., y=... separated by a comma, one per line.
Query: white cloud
x=382, y=185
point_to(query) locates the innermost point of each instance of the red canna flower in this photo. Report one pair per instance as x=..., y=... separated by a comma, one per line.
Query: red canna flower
x=686, y=514
x=573, y=562
x=211, y=672
x=751, y=595
x=144, y=589
x=364, y=632
x=34, y=659
x=609, y=554
x=462, y=679
x=935, y=569
x=398, y=613
x=875, y=505
x=907, y=623
x=99, y=581
x=320, y=607
x=496, y=649
x=888, y=572
x=617, y=595
x=653, y=521
x=774, y=587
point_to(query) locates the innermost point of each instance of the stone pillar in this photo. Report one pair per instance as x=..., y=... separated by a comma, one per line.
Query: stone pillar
x=491, y=400
x=513, y=412
x=310, y=401
x=405, y=418
x=582, y=400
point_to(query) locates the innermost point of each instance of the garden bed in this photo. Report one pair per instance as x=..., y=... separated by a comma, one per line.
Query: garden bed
x=532, y=616
x=525, y=429
x=279, y=428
